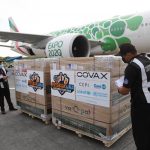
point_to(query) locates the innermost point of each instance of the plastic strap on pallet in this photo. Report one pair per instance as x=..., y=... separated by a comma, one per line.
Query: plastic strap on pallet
x=108, y=138
x=45, y=117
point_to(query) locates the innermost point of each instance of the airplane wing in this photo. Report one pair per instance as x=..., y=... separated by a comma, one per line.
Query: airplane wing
x=23, y=37
x=32, y=38
x=9, y=46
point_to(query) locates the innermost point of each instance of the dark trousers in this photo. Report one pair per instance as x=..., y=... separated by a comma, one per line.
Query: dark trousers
x=5, y=93
x=140, y=116
x=1, y=99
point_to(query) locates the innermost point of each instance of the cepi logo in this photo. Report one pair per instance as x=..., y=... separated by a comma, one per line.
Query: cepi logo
x=34, y=81
x=61, y=83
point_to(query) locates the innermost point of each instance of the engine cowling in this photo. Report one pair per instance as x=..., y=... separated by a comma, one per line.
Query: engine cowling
x=68, y=45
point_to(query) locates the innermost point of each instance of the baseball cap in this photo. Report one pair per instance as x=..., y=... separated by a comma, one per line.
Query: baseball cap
x=126, y=48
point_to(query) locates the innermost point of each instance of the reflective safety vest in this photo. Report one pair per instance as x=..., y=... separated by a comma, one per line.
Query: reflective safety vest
x=144, y=64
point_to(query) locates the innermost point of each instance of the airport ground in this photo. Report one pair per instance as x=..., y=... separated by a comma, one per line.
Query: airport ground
x=18, y=131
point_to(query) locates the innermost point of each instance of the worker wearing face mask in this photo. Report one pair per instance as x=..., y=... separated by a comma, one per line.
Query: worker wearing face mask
x=4, y=90
x=137, y=83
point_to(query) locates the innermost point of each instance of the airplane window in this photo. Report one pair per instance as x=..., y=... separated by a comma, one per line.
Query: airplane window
x=145, y=24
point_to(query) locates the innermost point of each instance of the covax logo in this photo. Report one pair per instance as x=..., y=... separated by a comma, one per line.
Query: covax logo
x=93, y=75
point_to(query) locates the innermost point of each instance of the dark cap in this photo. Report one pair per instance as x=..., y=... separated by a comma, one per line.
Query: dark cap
x=126, y=48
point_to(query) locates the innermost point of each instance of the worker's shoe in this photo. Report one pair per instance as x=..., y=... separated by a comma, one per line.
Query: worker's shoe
x=3, y=112
x=12, y=109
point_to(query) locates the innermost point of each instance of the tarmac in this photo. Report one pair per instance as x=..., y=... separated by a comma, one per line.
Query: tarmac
x=19, y=131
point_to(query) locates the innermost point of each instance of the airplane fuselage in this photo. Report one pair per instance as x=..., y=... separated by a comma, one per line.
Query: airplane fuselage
x=110, y=33
x=133, y=29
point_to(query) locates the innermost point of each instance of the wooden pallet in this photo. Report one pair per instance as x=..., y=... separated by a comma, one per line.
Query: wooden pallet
x=107, y=142
x=46, y=119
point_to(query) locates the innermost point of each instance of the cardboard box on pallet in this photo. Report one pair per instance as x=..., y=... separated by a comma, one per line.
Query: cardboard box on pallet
x=110, y=63
x=88, y=125
x=43, y=109
x=18, y=95
x=95, y=112
x=95, y=102
x=20, y=69
x=34, y=80
x=112, y=113
x=15, y=66
x=54, y=63
x=18, y=100
x=27, y=106
x=26, y=64
x=116, y=67
x=31, y=97
x=77, y=63
x=39, y=90
x=42, y=64
x=56, y=103
x=43, y=100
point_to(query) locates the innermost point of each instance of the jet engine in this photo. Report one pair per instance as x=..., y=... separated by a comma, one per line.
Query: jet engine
x=68, y=45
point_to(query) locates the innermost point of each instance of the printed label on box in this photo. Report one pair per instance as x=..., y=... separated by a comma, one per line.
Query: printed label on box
x=93, y=87
x=35, y=81
x=21, y=81
x=62, y=84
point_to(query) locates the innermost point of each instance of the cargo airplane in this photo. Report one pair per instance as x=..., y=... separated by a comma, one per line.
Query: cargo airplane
x=98, y=38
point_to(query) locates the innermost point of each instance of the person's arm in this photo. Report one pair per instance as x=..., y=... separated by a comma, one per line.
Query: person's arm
x=123, y=90
x=1, y=77
x=129, y=79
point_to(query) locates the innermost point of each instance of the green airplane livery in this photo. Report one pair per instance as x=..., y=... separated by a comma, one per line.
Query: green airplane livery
x=98, y=38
